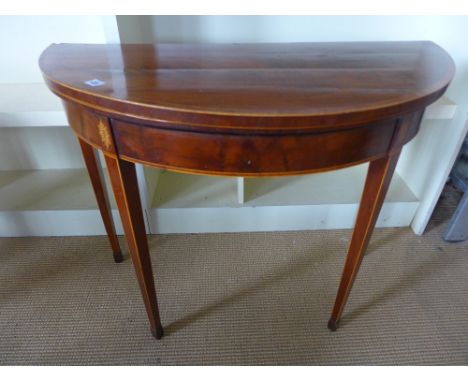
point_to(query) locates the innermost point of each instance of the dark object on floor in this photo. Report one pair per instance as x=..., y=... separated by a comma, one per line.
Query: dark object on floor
x=457, y=229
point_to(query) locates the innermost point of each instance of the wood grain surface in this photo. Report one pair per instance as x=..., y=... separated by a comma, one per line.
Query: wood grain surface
x=261, y=86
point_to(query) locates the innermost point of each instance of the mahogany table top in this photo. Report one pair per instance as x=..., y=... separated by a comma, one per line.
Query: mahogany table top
x=270, y=86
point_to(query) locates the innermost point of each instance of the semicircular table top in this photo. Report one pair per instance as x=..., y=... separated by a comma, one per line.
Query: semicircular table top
x=237, y=86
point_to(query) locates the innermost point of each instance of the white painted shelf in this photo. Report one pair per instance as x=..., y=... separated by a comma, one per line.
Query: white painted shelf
x=197, y=203
x=443, y=108
x=49, y=203
x=52, y=190
x=30, y=105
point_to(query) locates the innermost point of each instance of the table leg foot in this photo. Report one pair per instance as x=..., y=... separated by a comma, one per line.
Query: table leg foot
x=332, y=324
x=157, y=332
x=118, y=257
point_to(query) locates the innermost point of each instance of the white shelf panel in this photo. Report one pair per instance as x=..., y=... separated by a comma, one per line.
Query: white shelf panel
x=193, y=203
x=272, y=218
x=55, y=223
x=50, y=203
x=335, y=187
x=443, y=108
x=175, y=190
x=51, y=190
x=30, y=105
x=31, y=148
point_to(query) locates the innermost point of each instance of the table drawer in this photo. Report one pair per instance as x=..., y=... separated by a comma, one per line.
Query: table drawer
x=251, y=154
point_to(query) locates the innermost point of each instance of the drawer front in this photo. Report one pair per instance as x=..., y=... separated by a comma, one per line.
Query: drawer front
x=251, y=154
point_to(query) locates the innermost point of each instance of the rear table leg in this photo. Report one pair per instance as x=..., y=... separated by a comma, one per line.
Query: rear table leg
x=97, y=181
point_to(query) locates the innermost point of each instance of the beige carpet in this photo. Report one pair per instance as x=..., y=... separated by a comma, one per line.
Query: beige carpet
x=257, y=298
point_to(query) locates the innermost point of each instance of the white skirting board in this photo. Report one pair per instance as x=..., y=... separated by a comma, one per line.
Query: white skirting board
x=273, y=218
x=55, y=223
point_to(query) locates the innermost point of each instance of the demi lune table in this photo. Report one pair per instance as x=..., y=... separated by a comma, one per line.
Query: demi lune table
x=246, y=110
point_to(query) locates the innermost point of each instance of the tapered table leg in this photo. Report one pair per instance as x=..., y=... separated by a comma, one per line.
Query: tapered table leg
x=378, y=179
x=125, y=186
x=97, y=181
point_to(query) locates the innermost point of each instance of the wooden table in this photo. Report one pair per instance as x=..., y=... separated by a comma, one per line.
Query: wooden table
x=247, y=110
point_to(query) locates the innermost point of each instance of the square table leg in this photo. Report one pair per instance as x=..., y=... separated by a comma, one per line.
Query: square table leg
x=125, y=186
x=97, y=181
x=377, y=182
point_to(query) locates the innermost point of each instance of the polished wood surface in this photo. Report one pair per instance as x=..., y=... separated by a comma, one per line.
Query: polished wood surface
x=378, y=179
x=97, y=181
x=252, y=154
x=247, y=110
x=125, y=185
x=90, y=127
x=255, y=86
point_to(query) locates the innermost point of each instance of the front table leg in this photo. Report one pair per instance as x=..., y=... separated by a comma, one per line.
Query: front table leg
x=125, y=186
x=378, y=179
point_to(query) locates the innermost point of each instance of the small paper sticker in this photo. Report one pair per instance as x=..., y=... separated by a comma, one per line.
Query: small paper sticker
x=94, y=82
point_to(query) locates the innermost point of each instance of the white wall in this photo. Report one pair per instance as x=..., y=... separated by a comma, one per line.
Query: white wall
x=22, y=89
x=23, y=38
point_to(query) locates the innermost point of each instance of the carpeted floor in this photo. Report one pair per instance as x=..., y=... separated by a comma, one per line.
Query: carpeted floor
x=249, y=299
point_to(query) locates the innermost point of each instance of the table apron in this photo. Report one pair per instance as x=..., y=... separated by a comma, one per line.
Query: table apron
x=229, y=154
x=251, y=154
